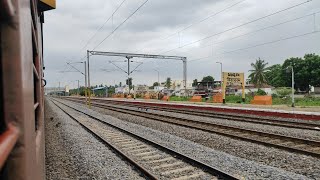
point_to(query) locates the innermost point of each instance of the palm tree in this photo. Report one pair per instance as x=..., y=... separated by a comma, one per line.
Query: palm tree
x=257, y=76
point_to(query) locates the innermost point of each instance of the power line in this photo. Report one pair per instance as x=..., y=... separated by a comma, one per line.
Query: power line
x=241, y=25
x=194, y=23
x=250, y=47
x=261, y=44
x=99, y=29
x=206, y=18
x=264, y=28
x=121, y=23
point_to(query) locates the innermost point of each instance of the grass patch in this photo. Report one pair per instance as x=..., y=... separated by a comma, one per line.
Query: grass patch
x=238, y=99
x=233, y=99
x=177, y=98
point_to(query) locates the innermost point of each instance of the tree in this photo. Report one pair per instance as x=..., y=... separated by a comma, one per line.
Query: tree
x=168, y=82
x=257, y=76
x=302, y=78
x=155, y=84
x=120, y=84
x=195, y=83
x=306, y=72
x=313, y=62
x=273, y=76
x=208, y=79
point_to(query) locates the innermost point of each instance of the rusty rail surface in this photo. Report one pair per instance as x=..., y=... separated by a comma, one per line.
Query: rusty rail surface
x=216, y=173
x=219, y=115
x=291, y=144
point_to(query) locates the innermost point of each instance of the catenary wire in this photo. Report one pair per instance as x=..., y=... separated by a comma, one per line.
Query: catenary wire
x=262, y=29
x=99, y=29
x=238, y=26
x=121, y=24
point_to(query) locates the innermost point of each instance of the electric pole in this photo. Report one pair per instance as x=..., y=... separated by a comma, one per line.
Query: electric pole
x=78, y=87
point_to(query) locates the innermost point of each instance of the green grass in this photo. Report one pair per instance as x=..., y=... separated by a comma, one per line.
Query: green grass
x=177, y=98
x=238, y=99
x=302, y=102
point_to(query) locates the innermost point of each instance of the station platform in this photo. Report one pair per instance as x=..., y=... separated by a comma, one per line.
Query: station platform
x=312, y=113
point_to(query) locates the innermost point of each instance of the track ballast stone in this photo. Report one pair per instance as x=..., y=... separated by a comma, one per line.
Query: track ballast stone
x=73, y=153
x=226, y=162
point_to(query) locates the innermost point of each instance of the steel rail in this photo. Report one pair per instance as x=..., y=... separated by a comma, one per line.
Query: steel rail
x=239, y=118
x=291, y=144
x=212, y=170
x=233, y=117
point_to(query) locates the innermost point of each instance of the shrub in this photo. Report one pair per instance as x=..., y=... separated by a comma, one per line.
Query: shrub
x=261, y=92
x=284, y=91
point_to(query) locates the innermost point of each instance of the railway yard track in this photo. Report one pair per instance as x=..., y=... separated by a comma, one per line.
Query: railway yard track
x=233, y=117
x=288, y=143
x=152, y=159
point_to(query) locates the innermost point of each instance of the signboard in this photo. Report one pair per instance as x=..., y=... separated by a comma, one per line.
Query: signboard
x=67, y=89
x=233, y=79
x=46, y=5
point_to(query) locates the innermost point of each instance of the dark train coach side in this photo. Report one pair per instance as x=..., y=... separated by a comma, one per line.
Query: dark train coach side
x=21, y=89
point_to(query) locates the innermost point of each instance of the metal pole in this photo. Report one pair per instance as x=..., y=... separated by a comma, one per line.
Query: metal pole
x=59, y=89
x=185, y=76
x=78, y=88
x=292, y=87
x=128, y=75
x=89, y=94
x=85, y=79
x=224, y=99
x=158, y=83
x=158, y=86
x=221, y=83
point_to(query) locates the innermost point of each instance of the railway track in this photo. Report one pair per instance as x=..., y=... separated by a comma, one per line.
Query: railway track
x=291, y=144
x=233, y=117
x=152, y=159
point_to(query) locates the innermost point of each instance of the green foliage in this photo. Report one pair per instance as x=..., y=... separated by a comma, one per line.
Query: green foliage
x=257, y=75
x=208, y=79
x=179, y=98
x=261, y=92
x=274, y=95
x=273, y=76
x=155, y=84
x=168, y=82
x=309, y=101
x=283, y=91
x=195, y=83
x=238, y=99
x=313, y=62
x=306, y=71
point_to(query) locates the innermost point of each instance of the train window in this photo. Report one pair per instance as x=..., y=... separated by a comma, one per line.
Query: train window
x=36, y=68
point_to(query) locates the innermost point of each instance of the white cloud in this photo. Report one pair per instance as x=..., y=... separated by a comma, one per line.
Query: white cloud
x=69, y=27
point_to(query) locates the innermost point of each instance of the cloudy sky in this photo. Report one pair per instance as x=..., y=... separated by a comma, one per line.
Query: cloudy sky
x=204, y=31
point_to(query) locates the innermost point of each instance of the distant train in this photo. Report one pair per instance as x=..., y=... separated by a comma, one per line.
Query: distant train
x=21, y=92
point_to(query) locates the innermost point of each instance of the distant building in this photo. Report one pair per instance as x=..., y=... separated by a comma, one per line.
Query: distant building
x=177, y=85
x=158, y=88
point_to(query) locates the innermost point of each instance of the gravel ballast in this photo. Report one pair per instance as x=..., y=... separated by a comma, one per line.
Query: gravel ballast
x=292, y=132
x=73, y=153
x=234, y=165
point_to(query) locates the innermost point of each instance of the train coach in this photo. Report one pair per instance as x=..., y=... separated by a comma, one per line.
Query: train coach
x=21, y=93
